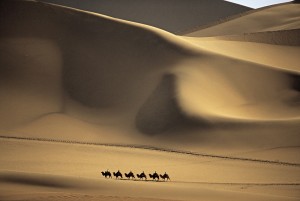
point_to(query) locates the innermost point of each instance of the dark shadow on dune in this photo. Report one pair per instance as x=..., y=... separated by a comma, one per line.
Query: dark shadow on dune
x=161, y=112
x=295, y=86
x=295, y=82
x=34, y=181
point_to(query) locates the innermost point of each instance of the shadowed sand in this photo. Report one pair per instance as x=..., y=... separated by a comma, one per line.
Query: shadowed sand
x=74, y=76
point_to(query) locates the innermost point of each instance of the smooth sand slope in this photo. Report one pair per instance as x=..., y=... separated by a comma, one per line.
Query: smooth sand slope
x=78, y=176
x=77, y=76
x=176, y=16
x=273, y=18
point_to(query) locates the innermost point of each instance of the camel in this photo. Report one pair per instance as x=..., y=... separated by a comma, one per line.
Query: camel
x=154, y=176
x=106, y=174
x=129, y=175
x=165, y=176
x=118, y=174
x=142, y=176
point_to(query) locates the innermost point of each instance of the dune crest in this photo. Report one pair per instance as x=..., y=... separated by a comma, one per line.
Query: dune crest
x=175, y=16
x=273, y=18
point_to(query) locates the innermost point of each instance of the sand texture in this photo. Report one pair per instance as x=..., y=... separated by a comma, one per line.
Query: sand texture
x=82, y=92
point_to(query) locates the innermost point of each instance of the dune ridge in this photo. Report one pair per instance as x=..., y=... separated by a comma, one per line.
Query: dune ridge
x=160, y=149
x=173, y=16
x=273, y=18
x=226, y=19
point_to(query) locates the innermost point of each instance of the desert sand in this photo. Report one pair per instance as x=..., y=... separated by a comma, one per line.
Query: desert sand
x=81, y=92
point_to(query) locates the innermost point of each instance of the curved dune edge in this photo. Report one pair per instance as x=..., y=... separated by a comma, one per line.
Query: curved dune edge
x=167, y=36
x=164, y=150
x=274, y=18
x=171, y=15
x=263, y=54
x=233, y=17
x=128, y=82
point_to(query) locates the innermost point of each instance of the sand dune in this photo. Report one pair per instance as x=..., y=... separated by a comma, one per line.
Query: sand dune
x=278, y=17
x=230, y=106
x=104, y=84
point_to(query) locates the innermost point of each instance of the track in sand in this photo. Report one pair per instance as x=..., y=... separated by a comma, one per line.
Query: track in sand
x=156, y=149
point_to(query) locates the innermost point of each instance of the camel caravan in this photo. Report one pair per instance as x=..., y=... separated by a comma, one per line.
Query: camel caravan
x=154, y=177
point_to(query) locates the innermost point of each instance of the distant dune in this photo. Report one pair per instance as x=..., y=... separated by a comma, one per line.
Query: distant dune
x=273, y=18
x=282, y=37
x=176, y=16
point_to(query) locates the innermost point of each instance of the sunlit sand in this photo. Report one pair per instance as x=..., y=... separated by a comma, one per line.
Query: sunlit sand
x=82, y=93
